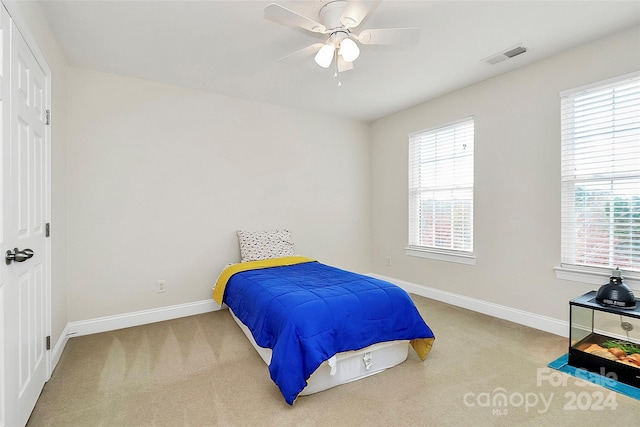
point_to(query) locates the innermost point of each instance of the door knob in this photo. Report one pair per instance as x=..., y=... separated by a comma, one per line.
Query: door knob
x=18, y=256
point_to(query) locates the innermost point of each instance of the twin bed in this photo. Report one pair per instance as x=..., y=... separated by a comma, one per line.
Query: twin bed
x=317, y=326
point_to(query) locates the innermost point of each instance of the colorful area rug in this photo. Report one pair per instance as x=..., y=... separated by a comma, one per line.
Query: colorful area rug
x=562, y=365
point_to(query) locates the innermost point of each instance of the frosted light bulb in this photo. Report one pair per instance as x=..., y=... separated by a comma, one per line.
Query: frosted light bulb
x=349, y=50
x=325, y=55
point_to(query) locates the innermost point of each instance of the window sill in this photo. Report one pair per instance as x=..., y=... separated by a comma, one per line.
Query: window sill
x=458, y=258
x=593, y=278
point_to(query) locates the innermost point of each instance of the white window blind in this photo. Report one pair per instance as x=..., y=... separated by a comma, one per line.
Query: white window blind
x=600, y=130
x=441, y=188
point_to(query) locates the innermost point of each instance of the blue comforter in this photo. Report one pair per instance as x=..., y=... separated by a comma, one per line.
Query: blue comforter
x=306, y=313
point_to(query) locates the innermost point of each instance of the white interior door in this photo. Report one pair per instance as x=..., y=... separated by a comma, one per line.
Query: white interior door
x=4, y=135
x=25, y=279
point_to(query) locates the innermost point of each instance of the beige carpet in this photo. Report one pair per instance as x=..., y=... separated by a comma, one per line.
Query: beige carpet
x=202, y=371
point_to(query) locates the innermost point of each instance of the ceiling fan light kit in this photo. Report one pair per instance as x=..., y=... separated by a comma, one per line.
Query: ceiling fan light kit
x=347, y=49
x=337, y=18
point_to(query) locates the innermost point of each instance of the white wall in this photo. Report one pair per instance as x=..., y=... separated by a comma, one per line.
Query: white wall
x=151, y=181
x=161, y=177
x=517, y=180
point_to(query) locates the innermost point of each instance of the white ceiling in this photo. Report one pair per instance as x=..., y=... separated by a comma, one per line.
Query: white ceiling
x=227, y=47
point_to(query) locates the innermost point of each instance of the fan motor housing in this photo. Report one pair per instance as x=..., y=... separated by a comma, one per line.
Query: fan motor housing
x=331, y=13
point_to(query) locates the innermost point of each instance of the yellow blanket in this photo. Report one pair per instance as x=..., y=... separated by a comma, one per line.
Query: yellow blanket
x=422, y=346
x=221, y=284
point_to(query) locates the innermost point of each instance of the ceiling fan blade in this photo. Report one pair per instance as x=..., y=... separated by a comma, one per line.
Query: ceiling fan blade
x=276, y=13
x=344, y=65
x=356, y=11
x=302, y=53
x=390, y=36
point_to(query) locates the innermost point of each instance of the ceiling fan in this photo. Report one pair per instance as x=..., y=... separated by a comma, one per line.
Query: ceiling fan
x=335, y=23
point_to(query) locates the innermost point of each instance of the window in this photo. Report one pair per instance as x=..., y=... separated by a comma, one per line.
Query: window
x=600, y=131
x=441, y=192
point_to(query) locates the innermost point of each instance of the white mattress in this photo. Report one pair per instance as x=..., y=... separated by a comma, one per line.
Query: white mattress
x=349, y=366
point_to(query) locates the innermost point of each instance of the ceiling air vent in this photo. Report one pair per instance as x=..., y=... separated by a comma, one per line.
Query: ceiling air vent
x=503, y=56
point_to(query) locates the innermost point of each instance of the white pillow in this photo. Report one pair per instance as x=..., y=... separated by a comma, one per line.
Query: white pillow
x=257, y=245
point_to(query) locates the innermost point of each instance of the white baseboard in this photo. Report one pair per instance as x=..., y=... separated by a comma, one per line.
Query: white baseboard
x=543, y=323
x=56, y=350
x=127, y=320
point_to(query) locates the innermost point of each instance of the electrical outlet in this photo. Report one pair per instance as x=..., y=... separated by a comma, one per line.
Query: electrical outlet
x=389, y=261
x=162, y=286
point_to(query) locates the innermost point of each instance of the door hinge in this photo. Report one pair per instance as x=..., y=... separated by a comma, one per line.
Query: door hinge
x=49, y=342
x=48, y=117
x=47, y=229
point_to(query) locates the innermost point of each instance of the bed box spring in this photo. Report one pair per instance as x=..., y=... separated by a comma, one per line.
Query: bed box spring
x=350, y=365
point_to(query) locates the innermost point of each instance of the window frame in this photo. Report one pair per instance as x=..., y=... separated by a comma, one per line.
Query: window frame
x=461, y=256
x=587, y=273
